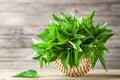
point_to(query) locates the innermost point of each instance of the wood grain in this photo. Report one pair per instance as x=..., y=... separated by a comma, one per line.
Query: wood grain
x=21, y=20
x=50, y=74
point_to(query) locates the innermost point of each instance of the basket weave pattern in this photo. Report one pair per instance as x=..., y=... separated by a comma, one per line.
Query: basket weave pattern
x=84, y=67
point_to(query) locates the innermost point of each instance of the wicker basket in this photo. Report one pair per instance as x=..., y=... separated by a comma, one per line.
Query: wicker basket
x=84, y=67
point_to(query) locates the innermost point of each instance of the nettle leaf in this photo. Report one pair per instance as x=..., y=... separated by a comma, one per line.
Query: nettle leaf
x=71, y=58
x=34, y=55
x=65, y=59
x=41, y=62
x=61, y=42
x=52, y=29
x=27, y=74
x=71, y=39
x=64, y=16
x=94, y=59
x=102, y=60
x=78, y=56
x=56, y=18
x=45, y=35
x=105, y=36
x=76, y=46
x=58, y=54
x=61, y=35
x=79, y=36
x=78, y=42
x=91, y=15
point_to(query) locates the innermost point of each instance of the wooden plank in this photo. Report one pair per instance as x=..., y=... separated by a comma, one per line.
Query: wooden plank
x=24, y=52
x=25, y=42
x=113, y=43
x=28, y=64
x=13, y=53
x=50, y=74
x=58, y=2
x=19, y=65
x=35, y=65
x=37, y=8
x=23, y=59
x=19, y=42
x=9, y=18
x=109, y=65
x=16, y=59
x=35, y=29
x=24, y=31
x=32, y=19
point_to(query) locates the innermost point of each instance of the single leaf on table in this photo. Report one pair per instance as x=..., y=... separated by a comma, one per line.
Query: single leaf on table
x=27, y=74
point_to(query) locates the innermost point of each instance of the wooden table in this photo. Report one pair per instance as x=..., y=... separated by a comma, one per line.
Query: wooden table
x=52, y=74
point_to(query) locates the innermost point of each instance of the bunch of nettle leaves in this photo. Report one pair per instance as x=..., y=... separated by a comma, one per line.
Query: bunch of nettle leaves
x=71, y=39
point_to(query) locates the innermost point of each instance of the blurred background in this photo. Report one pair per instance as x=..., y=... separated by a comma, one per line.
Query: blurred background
x=21, y=20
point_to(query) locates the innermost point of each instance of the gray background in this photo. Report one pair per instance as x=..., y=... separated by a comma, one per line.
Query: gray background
x=20, y=20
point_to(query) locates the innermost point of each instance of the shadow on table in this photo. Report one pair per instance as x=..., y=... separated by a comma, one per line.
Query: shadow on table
x=101, y=76
x=88, y=77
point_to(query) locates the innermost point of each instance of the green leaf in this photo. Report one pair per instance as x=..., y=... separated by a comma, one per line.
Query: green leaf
x=61, y=35
x=65, y=59
x=54, y=56
x=64, y=16
x=56, y=18
x=91, y=15
x=52, y=29
x=70, y=39
x=78, y=42
x=71, y=59
x=94, y=59
x=103, y=47
x=68, y=18
x=45, y=36
x=61, y=42
x=27, y=74
x=78, y=57
x=74, y=46
x=102, y=60
x=35, y=54
x=41, y=63
x=79, y=36
x=106, y=37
